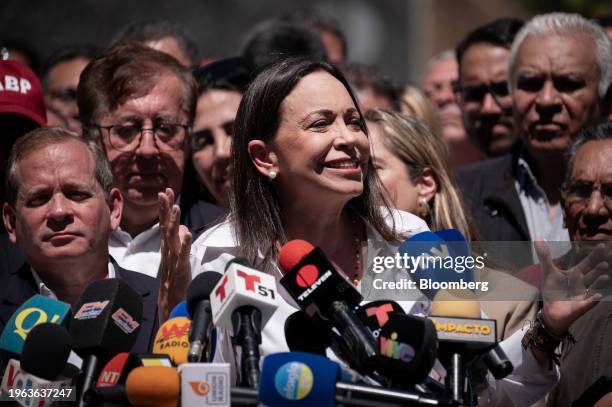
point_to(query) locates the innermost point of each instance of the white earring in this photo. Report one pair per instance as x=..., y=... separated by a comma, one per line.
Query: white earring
x=272, y=174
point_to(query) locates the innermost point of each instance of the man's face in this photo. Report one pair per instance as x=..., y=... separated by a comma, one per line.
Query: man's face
x=438, y=85
x=588, y=212
x=62, y=82
x=555, y=91
x=149, y=167
x=61, y=213
x=485, y=99
x=439, y=80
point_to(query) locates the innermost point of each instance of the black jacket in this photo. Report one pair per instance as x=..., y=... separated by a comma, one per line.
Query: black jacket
x=18, y=285
x=492, y=201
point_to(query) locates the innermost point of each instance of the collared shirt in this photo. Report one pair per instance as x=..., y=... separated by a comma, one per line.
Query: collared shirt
x=215, y=247
x=141, y=253
x=47, y=292
x=536, y=206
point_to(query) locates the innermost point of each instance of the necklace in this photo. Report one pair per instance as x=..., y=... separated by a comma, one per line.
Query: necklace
x=357, y=247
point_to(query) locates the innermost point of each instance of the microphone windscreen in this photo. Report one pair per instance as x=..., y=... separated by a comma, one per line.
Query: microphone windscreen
x=46, y=350
x=200, y=289
x=458, y=303
x=153, y=386
x=180, y=310
x=107, y=319
x=408, y=347
x=305, y=335
x=298, y=379
x=172, y=339
x=35, y=310
x=292, y=253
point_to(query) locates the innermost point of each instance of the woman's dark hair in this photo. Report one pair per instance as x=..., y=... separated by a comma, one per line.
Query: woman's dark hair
x=255, y=207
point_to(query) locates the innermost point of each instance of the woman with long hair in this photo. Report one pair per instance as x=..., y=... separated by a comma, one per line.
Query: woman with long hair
x=412, y=163
x=302, y=170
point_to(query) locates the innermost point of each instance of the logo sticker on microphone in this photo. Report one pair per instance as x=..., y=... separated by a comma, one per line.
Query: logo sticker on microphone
x=200, y=388
x=90, y=310
x=124, y=321
x=307, y=276
x=294, y=380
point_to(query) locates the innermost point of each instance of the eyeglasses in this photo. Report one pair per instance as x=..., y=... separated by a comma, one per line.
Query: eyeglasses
x=580, y=192
x=476, y=93
x=167, y=136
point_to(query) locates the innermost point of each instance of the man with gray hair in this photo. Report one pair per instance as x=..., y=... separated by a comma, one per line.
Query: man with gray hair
x=560, y=70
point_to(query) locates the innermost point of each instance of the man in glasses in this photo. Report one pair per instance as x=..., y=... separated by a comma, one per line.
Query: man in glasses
x=559, y=73
x=482, y=89
x=586, y=199
x=140, y=104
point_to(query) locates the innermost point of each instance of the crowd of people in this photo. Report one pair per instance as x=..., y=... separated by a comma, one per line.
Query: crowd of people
x=136, y=162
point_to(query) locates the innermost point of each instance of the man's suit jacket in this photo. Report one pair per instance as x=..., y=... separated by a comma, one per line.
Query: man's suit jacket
x=493, y=203
x=17, y=286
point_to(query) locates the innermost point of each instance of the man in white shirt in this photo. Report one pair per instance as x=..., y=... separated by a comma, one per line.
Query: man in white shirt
x=140, y=104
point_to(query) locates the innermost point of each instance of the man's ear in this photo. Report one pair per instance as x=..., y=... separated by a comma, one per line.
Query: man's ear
x=264, y=159
x=427, y=184
x=9, y=218
x=115, y=204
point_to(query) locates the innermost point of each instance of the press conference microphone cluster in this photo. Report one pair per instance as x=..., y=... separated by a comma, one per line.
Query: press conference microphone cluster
x=324, y=293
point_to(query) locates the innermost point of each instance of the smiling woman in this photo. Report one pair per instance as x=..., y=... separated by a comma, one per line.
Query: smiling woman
x=300, y=159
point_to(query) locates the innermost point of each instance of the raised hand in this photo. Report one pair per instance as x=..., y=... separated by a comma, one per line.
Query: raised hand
x=175, y=269
x=568, y=294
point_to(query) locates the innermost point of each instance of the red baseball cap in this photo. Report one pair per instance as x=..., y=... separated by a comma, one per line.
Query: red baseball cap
x=21, y=92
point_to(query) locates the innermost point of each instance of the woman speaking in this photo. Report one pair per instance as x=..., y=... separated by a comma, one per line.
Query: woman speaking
x=302, y=170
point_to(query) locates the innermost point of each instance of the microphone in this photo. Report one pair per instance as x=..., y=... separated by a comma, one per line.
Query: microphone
x=116, y=370
x=319, y=289
x=407, y=344
x=180, y=310
x=43, y=362
x=107, y=322
x=243, y=302
x=463, y=336
x=46, y=350
x=303, y=379
x=110, y=387
x=304, y=335
x=172, y=339
x=36, y=310
x=205, y=384
x=155, y=386
x=198, y=305
x=426, y=256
